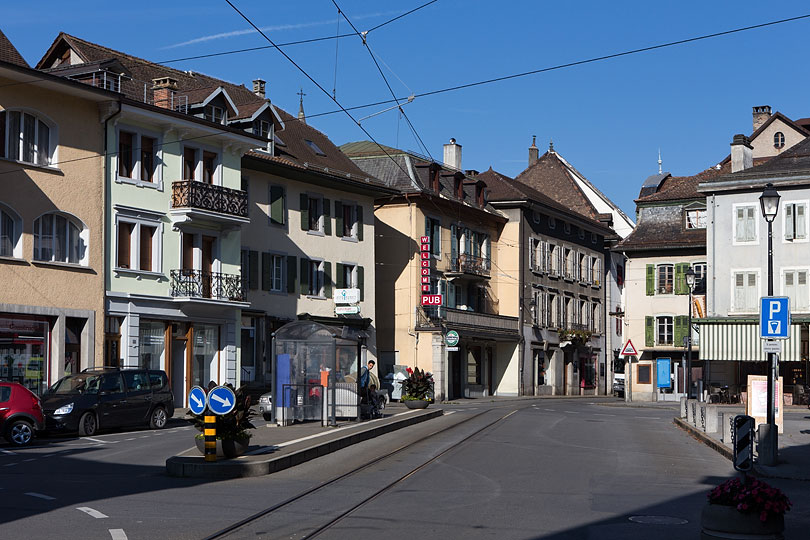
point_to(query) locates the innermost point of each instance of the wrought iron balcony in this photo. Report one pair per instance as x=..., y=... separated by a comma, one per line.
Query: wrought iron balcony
x=470, y=264
x=213, y=285
x=190, y=194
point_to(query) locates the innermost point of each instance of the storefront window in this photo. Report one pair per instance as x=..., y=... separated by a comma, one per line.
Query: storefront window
x=24, y=352
x=588, y=371
x=474, y=365
x=152, y=344
x=205, y=354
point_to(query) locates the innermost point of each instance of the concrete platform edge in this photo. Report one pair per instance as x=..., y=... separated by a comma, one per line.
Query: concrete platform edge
x=195, y=467
x=705, y=439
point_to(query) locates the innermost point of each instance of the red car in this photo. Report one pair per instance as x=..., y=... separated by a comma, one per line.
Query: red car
x=20, y=413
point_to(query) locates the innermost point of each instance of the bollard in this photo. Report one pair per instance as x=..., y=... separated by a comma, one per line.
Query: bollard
x=683, y=406
x=726, y=420
x=701, y=417
x=210, y=434
x=691, y=410
x=711, y=419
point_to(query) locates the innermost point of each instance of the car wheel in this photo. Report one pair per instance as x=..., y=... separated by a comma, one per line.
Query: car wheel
x=88, y=425
x=159, y=418
x=20, y=433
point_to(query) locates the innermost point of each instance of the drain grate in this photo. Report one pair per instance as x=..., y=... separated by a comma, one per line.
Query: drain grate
x=658, y=520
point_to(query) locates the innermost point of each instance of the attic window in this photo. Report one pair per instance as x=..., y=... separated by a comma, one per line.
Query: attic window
x=696, y=218
x=214, y=114
x=778, y=140
x=479, y=194
x=314, y=147
x=459, y=185
x=261, y=128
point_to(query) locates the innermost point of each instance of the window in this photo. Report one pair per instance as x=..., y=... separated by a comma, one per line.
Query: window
x=699, y=268
x=59, y=239
x=315, y=206
x=273, y=272
x=189, y=164
x=581, y=233
x=664, y=327
x=593, y=238
x=214, y=114
x=314, y=147
x=208, y=167
x=202, y=165
x=795, y=217
x=778, y=140
x=552, y=223
x=10, y=229
x=433, y=229
x=346, y=215
x=666, y=279
x=567, y=228
x=795, y=287
x=746, y=291
x=745, y=223
x=315, y=274
x=568, y=258
x=644, y=373
x=696, y=218
x=314, y=213
x=278, y=205
x=137, y=245
x=137, y=156
x=27, y=138
x=261, y=128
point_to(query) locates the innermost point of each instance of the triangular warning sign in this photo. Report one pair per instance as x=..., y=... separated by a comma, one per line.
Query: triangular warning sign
x=628, y=349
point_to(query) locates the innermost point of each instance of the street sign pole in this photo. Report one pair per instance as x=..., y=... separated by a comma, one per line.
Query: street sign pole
x=210, y=434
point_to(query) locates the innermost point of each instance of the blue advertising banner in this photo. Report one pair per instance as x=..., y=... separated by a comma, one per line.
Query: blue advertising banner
x=663, y=372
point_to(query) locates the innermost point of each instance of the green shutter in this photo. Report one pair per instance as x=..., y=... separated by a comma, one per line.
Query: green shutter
x=304, y=276
x=253, y=270
x=327, y=217
x=277, y=205
x=649, y=331
x=292, y=273
x=681, y=330
x=359, y=223
x=245, y=267
x=304, y=212
x=453, y=244
x=340, y=282
x=327, y=279
x=267, y=277
x=360, y=281
x=680, y=278
x=338, y=218
x=650, y=279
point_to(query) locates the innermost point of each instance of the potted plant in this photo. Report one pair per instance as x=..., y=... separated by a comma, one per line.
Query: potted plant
x=233, y=435
x=417, y=389
x=749, y=507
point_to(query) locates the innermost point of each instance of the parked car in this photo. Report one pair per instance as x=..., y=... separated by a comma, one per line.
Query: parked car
x=20, y=413
x=618, y=384
x=107, y=398
x=266, y=406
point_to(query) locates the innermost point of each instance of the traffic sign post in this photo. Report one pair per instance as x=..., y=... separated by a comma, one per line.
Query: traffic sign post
x=774, y=317
x=196, y=400
x=221, y=400
x=628, y=349
x=210, y=435
x=742, y=442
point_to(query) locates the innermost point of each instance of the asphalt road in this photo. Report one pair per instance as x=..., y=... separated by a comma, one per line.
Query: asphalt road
x=545, y=468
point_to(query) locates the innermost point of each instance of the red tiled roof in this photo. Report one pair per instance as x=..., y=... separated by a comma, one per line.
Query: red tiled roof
x=549, y=176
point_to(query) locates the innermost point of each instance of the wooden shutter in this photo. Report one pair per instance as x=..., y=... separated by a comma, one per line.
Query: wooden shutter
x=304, y=276
x=292, y=271
x=124, y=244
x=649, y=331
x=453, y=244
x=267, y=274
x=338, y=219
x=340, y=278
x=650, y=279
x=359, y=223
x=360, y=282
x=327, y=279
x=277, y=205
x=253, y=273
x=327, y=218
x=680, y=279
x=681, y=329
x=304, y=210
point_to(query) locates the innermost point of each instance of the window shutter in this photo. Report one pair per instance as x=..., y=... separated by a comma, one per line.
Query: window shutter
x=338, y=219
x=292, y=271
x=253, y=274
x=532, y=249
x=267, y=276
x=680, y=278
x=304, y=276
x=277, y=205
x=801, y=290
x=801, y=224
x=327, y=279
x=453, y=244
x=649, y=331
x=340, y=278
x=245, y=262
x=304, y=209
x=681, y=329
x=650, y=279
x=789, y=222
x=750, y=224
x=360, y=281
x=437, y=238
x=327, y=217
x=359, y=223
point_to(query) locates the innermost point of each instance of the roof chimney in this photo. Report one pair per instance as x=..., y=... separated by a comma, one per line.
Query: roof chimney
x=258, y=87
x=534, y=152
x=163, y=89
x=742, y=153
x=452, y=154
x=761, y=115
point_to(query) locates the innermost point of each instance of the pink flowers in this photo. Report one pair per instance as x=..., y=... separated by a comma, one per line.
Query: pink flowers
x=750, y=497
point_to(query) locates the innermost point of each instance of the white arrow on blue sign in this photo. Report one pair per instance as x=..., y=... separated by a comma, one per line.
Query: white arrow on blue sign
x=774, y=317
x=196, y=400
x=221, y=400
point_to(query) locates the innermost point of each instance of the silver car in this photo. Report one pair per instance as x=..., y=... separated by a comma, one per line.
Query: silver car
x=266, y=406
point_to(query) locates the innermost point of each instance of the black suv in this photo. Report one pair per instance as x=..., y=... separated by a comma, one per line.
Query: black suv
x=107, y=398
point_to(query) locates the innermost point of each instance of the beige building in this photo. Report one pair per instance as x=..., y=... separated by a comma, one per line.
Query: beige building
x=51, y=223
x=440, y=237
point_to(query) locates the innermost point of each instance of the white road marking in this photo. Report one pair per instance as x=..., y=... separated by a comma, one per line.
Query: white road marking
x=571, y=412
x=9, y=452
x=41, y=496
x=94, y=440
x=647, y=417
x=90, y=512
x=131, y=439
x=118, y=534
x=448, y=413
x=31, y=459
x=9, y=464
x=550, y=410
x=144, y=437
x=603, y=414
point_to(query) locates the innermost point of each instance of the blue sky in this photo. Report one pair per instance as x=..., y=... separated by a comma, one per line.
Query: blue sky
x=608, y=119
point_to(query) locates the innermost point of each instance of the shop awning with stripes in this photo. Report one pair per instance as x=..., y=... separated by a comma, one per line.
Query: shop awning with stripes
x=735, y=340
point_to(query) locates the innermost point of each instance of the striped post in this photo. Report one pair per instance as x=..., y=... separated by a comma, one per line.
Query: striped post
x=210, y=434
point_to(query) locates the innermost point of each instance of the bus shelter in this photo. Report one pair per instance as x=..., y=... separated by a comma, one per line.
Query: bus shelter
x=316, y=373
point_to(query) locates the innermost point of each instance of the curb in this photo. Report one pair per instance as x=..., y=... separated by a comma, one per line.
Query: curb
x=720, y=448
x=196, y=467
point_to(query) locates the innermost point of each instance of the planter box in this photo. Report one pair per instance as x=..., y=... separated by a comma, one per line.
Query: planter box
x=227, y=448
x=719, y=521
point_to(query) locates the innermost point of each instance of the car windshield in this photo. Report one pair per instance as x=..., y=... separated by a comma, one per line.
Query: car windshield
x=83, y=383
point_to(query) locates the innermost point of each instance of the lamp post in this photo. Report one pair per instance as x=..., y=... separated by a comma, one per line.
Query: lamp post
x=769, y=437
x=690, y=282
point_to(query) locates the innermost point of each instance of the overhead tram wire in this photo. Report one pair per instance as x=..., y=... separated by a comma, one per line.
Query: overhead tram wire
x=364, y=36
x=321, y=88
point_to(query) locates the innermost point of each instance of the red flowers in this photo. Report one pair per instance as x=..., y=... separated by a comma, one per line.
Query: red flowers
x=750, y=497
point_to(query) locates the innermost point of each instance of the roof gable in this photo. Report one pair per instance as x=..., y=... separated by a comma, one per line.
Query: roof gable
x=550, y=175
x=9, y=53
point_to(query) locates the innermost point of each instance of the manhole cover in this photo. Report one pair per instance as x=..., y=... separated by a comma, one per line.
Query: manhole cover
x=658, y=520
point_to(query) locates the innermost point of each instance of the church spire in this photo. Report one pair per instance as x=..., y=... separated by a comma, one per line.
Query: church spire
x=660, y=170
x=301, y=116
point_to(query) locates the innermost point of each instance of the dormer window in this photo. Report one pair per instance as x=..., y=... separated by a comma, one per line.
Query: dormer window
x=696, y=218
x=459, y=188
x=434, y=179
x=215, y=114
x=479, y=194
x=261, y=128
x=314, y=147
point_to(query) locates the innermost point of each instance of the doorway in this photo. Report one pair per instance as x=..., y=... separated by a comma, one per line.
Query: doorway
x=454, y=390
x=178, y=365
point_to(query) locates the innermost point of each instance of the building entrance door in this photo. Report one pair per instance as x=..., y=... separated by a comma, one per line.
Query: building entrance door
x=178, y=372
x=454, y=388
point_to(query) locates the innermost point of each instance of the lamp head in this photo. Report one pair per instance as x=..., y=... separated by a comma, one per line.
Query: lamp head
x=769, y=202
x=690, y=278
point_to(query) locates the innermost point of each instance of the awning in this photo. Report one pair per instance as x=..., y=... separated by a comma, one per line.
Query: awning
x=734, y=340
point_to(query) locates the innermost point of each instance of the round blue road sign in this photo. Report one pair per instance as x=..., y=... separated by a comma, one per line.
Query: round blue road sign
x=196, y=400
x=221, y=400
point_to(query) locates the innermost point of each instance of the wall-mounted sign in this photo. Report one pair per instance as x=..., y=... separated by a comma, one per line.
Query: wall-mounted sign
x=431, y=299
x=451, y=338
x=346, y=296
x=347, y=310
x=424, y=277
x=663, y=372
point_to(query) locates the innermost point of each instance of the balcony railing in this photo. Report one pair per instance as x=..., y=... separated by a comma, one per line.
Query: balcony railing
x=213, y=285
x=202, y=196
x=470, y=264
x=434, y=316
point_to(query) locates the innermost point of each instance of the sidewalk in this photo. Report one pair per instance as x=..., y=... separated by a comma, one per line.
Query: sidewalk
x=274, y=448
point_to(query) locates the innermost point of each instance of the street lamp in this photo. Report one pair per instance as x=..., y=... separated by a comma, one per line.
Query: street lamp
x=690, y=282
x=769, y=437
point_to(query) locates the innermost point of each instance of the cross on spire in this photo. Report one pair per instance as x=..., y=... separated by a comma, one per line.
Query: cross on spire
x=301, y=116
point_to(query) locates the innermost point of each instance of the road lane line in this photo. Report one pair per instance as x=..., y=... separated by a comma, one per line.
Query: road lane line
x=132, y=439
x=603, y=414
x=27, y=460
x=9, y=452
x=92, y=439
x=571, y=412
x=118, y=534
x=41, y=496
x=9, y=464
x=90, y=512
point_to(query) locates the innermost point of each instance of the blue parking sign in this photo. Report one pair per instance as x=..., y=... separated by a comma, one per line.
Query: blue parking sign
x=774, y=317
